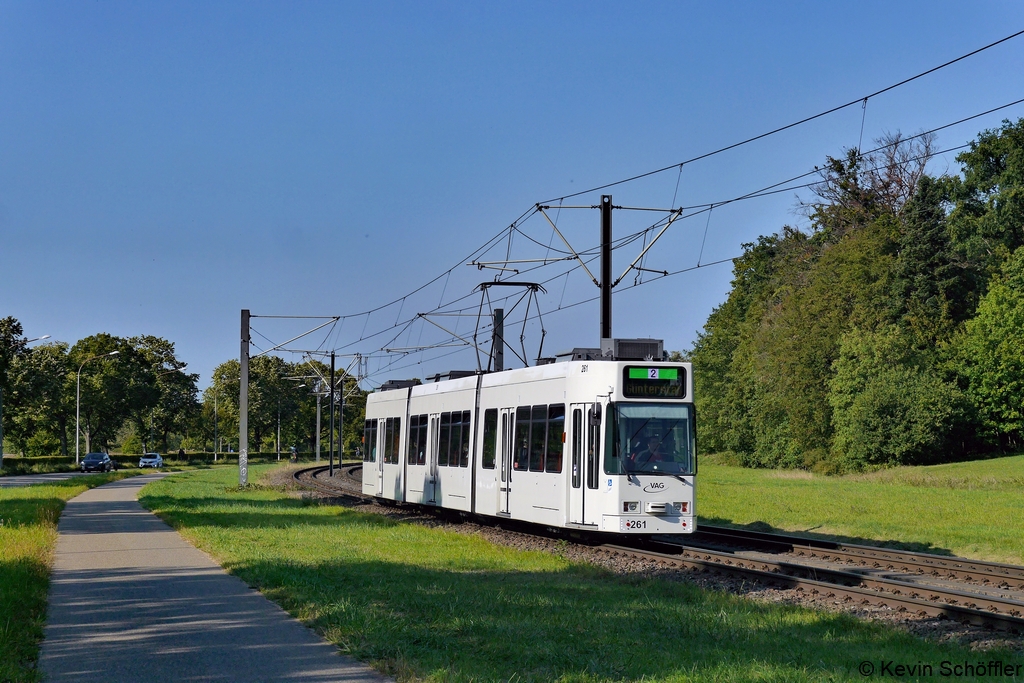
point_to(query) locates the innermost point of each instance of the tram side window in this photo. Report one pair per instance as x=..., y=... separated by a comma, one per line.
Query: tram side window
x=593, y=454
x=370, y=439
x=612, y=461
x=490, y=438
x=455, y=440
x=388, y=429
x=556, y=438
x=506, y=440
x=396, y=438
x=538, y=437
x=521, y=457
x=464, y=452
x=417, y=439
x=577, y=446
x=442, y=440
x=414, y=438
x=421, y=451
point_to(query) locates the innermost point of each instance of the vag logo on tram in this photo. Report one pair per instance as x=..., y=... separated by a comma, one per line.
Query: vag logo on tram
x=656, y=486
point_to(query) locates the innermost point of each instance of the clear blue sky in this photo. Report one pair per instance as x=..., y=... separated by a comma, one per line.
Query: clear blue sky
x=164, y=165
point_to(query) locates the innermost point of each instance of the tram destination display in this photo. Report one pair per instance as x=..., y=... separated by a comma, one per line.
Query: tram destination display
x=653, y=382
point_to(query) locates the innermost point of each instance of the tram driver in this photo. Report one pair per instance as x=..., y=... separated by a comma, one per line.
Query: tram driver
x=659, y=450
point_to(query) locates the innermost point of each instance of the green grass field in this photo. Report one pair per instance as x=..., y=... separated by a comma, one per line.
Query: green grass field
x=426, y=604
x=28, y=535
x=974, y=509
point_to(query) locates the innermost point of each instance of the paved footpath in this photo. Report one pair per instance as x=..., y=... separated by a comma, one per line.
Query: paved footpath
x=131, y=601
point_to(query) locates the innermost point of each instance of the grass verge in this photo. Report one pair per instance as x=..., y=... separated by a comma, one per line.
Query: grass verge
x=974, y=509
x=426, y=604
x=28, y=535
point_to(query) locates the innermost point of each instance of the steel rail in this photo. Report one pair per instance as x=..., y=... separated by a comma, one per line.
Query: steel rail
x=308, y=477
x=874, y=557
x=981, y=610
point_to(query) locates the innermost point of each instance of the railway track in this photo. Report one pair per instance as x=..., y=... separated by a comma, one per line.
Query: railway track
x=857, y=574
x=872, y=558
x=961, y=605
x=347, y=480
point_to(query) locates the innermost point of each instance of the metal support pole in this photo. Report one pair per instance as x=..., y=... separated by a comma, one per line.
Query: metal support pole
x=243, y=403
x=78, y=414
x=215, y=426
x=606, y=266
x=498, y=344
x=341, y=423
x=279, y=429
x=318, y=397
x=330, y=435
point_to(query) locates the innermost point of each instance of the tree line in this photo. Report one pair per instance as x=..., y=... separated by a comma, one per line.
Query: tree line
x=891, y=331
x=285, y=394
x=136, y=395
x=120, y=387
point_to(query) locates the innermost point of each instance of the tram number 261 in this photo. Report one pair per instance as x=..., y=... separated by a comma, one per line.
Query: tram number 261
x=634, y=524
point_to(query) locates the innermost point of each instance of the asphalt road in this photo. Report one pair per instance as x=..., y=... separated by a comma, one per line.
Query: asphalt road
x=29, y=479
x=130, y=600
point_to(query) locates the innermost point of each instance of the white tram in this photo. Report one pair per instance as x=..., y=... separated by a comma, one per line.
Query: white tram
x=594, y=445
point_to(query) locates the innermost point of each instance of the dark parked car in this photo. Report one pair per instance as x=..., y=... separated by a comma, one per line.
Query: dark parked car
x=97, y=462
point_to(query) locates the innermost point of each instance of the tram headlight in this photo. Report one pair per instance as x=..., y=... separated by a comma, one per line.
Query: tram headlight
x=681, y=507
x=630, y=506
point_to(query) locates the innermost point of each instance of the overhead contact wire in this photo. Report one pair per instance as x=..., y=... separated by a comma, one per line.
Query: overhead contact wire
x=790, y=125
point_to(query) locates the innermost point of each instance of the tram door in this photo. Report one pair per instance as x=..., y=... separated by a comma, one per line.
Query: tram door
x=578, y=462
x=430, y=485
x=585, y=463
x=506, y=423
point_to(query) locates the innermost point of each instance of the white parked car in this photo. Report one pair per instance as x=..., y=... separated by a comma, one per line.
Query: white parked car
x=151, y=460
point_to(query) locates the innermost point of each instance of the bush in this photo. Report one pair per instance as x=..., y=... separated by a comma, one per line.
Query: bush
x=989, y=356
x=42, y=443
x=132, y=445
x=890, y=405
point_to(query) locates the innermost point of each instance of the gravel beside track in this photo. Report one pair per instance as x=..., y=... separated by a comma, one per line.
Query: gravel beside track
x=345, y=488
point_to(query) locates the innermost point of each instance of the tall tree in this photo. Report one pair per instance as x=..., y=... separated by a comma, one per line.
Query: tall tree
x=989, y=354
x=12, y=343
x=765, y=361
x=987, y=220
x=178, y=392
x=43, y=382
x=114, y=388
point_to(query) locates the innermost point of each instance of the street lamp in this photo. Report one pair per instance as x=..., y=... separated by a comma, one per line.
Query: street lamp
x=78, y=399
x=27, y=341
x=215, y=449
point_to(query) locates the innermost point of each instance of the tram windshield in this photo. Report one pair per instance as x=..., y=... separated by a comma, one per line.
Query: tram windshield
x=650, y=438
